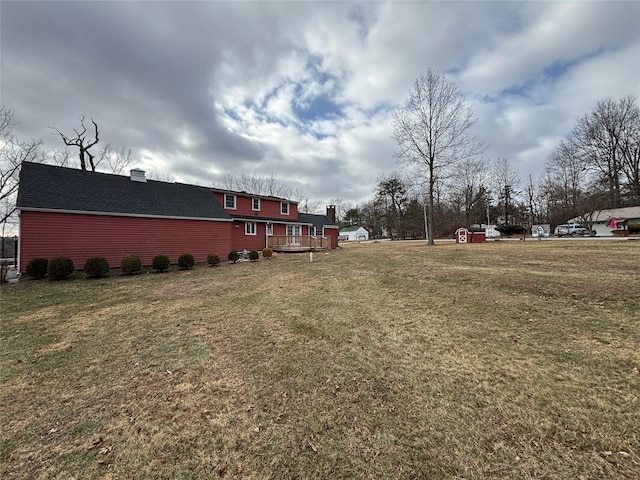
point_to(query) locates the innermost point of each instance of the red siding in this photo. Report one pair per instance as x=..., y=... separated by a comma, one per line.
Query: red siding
x=332, y=235
x=241, y=241
x=268, y=208
x=79, y=237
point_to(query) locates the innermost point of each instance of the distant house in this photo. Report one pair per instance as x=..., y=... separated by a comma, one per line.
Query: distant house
x=81, y=214
x=541, y=230
x=605, y=222
x=353, y=234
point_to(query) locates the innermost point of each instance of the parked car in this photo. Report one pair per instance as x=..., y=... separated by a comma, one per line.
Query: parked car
x=570, y=229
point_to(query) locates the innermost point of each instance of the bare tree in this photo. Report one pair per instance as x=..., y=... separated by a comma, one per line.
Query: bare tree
x=506, y=180
x=267, y=186
x=161, y=177
x=603, y=136
x=342, y=207
x=630, y=145
x=313, y=206
x=432, y=130
x=469, y=186
x=60, y=156
x=570, y=169
x=12, y=153
x=115, y=160
x=83, y=144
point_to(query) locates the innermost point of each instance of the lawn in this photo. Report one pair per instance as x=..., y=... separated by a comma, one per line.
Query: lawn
x=378, y=360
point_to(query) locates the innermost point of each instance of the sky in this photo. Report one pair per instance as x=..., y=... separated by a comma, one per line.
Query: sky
x=303, y=91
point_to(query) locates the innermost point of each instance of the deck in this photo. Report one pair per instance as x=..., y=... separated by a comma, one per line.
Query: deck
x=297, y=243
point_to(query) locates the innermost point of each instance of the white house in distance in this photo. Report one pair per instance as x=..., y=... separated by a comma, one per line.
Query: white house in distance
x=353, y=234
x=602, y=219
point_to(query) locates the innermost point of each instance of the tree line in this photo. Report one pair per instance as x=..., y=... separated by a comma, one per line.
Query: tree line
x=446, y=182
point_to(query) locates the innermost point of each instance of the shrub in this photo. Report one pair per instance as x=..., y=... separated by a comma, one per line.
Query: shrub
x=160, y=263
x=267, y=253
x=96, y=267
x=254, y=255
x=59, y=267
x=37, y=267
x=634, y=228
x=233, y=256
x=186, y=261
x=130, y=264
x=213, y=259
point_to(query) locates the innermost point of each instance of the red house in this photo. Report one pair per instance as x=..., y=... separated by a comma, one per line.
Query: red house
x=82, y=214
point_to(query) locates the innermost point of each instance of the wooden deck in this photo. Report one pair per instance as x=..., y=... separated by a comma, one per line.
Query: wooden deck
x=297, y=243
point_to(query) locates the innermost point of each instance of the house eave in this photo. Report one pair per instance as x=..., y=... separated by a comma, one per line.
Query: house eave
x=121, y=214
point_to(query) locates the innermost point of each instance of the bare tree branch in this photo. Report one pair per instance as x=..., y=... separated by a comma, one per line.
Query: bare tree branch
x=432, y=130
x=83, y=145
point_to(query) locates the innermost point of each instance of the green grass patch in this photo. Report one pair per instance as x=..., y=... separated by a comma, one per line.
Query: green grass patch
x=379, y=360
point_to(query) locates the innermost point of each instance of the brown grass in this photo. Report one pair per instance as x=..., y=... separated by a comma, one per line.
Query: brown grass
x=381, y=360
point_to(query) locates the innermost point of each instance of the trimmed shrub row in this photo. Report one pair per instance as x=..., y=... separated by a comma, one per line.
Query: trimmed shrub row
x=37, y=267
x=55, y=268
x=96, y=267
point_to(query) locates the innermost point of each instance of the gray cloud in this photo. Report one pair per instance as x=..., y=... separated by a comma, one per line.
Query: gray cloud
x=200, y=89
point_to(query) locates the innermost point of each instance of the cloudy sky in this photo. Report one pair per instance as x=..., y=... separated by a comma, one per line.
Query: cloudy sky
x=304, y=90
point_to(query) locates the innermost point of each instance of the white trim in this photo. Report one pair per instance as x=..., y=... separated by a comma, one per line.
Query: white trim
x=253, y=199
x=246, y=228
x=114, y=214
x=275, y=221
x=235, y=201
x=282, y=204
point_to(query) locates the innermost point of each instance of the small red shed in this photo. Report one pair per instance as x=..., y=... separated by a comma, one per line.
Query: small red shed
x=464, y=235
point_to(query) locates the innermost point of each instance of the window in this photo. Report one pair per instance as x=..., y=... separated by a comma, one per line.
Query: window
x=250, y=228
x=269, y=229
x=284, y=208
x=315, y=231
x=255, y=204
x=230, y=201
x=294, y=230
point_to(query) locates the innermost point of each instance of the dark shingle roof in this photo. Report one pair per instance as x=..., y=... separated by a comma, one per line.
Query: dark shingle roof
x=315, y=220
x=57, y=188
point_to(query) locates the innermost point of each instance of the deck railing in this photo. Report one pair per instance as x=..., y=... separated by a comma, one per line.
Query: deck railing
x=297, y=242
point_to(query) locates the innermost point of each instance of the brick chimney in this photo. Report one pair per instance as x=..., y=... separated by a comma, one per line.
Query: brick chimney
x=331, y=213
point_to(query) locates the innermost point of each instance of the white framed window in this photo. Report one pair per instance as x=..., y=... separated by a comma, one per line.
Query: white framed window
x=229, y=201
x=269, y=229
x=249, y=228
x=284, y=208
x=294, y=230
x=316, y=231
x=255, y=204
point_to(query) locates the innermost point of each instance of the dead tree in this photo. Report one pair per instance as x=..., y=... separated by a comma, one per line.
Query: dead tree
x=82, y=143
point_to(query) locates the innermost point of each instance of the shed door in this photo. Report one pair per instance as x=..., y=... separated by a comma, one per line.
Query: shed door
x=462, y=236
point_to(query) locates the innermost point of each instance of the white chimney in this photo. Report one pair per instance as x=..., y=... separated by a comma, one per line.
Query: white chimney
x=137, y=175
